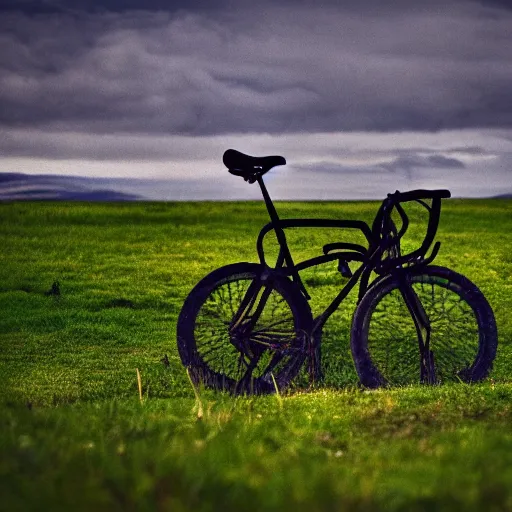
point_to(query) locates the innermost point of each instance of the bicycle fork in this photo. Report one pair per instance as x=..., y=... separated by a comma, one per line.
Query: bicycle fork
x=423, y=331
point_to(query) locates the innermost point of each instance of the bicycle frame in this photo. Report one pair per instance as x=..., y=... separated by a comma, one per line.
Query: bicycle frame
x=286, y=265
x=369, y=257
x=378, y=242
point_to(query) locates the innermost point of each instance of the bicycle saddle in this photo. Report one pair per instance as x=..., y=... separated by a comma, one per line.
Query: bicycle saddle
x=250, y=167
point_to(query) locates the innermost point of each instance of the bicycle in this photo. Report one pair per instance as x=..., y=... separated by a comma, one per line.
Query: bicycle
x=248, y=327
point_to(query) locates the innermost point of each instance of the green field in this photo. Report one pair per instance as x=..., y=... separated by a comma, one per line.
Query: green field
x=89, y=293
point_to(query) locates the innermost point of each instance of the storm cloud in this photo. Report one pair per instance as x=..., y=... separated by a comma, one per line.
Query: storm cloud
x=179, y=82
x=265, y=68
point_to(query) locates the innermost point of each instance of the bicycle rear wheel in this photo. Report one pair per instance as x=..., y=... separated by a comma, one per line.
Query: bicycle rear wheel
x=244, y=332
x=463, y=339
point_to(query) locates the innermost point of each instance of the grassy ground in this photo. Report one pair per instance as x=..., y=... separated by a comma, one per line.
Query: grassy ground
x=90, y=293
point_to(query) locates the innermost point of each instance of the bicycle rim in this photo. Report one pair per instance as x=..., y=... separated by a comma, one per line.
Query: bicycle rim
x=461, y=337
x=259, y=353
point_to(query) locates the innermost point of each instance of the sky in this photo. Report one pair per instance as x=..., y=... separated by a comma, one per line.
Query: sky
x=360, y=97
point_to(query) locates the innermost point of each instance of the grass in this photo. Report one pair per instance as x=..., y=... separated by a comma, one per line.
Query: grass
x=91, y=293
x=410, y=449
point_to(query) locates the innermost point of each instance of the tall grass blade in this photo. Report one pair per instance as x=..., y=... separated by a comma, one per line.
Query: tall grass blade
x=139, y=383
x=198, y=397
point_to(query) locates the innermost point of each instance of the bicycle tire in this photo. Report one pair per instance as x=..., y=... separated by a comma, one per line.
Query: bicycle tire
x=464, y=337
x=218, y=359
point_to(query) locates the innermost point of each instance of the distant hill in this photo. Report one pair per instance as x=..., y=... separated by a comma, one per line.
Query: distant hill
x=41, y=187
x=18, y=186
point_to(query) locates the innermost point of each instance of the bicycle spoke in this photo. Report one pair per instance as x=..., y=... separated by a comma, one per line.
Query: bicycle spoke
x=392, y=336
x=246, y=355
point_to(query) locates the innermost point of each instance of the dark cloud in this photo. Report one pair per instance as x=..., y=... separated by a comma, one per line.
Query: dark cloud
x=205, y=68
x=84, y=6
x=504, y=4
x=444, y=162
x=409, y=163
x=469, y=150
x=101, y=6
x=406, y=163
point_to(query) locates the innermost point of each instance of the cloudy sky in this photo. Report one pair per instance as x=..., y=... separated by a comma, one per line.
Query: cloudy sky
x=362, y=97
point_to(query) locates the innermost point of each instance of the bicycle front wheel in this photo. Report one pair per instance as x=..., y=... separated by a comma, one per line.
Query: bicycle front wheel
x=463, y=337
x=244, y=331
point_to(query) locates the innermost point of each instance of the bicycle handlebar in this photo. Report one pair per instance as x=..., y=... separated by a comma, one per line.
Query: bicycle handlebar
x=414, y=195
x=383, y=226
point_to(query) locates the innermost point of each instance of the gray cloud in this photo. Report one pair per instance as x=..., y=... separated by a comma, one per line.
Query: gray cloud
x=83, y=6
x=264, y=69
x=320, y=166
x=361, y=97
x=411, y=161
x=444, y=162
x=405, y=163
x=404, y=149
x=336, y=169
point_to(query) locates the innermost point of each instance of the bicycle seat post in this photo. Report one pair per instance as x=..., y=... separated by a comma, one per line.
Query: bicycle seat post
x=274, y=217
